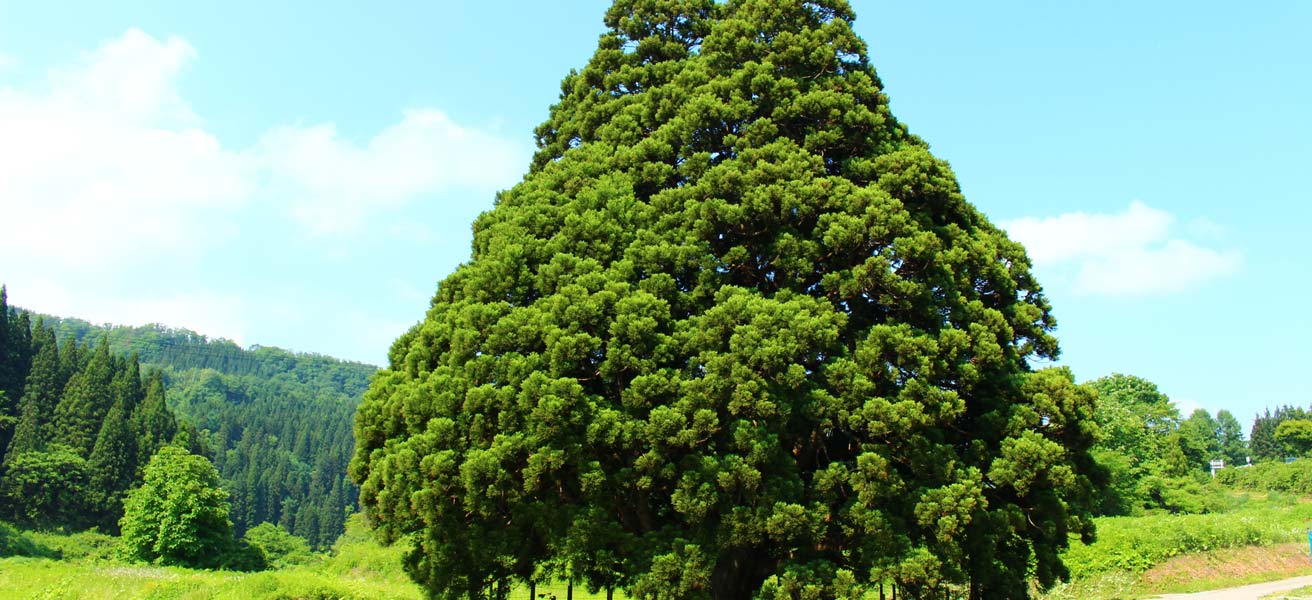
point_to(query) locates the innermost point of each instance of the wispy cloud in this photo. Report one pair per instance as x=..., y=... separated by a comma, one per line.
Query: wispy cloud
x=1133, y=252
x=332, y=184
x=107, y=166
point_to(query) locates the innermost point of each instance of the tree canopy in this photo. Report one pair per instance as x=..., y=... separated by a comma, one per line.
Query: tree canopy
x=276, y=424
x=736, y=332
x=179, y=515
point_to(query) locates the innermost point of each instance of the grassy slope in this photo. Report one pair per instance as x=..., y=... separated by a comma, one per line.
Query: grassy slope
x=1258, y=540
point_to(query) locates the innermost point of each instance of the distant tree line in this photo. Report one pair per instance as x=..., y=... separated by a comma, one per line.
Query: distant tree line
x=276, y=424
x=79, y=423
x=1158, y=460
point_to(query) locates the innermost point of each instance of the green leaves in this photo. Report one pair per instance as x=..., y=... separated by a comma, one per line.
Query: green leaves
x=179, y=515
x=736, y=332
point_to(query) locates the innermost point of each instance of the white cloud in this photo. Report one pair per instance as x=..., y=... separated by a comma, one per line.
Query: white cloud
x=209, y=313
x=1125, y=254
x=108, y=174
x=332, y=184
x=100, y=166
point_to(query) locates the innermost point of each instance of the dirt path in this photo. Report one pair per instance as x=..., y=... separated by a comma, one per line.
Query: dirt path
x=1248, y=592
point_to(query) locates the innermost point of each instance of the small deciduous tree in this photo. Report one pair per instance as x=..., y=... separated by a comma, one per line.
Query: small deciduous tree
x=1296, y=436
x=47, y=488
x=1230, y=439
x=179, y=515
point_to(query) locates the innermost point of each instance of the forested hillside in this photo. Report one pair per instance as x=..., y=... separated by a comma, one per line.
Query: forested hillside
x=77, y=423
x=276, y=424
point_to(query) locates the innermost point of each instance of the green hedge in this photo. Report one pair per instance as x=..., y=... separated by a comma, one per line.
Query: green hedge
x=1294, y=477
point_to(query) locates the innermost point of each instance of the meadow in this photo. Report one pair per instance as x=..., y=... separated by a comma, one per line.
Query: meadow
x=85, y=566
x=1251, y=537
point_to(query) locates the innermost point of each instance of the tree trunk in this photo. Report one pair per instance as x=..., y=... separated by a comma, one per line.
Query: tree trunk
x=739, y=574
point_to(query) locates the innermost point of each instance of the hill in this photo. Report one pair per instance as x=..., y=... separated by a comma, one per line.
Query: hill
x=276, y=423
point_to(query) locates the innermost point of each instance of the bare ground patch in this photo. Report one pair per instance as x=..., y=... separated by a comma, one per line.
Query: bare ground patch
x=1252, y=563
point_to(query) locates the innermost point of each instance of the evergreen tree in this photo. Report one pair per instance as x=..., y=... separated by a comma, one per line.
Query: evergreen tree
x=8, y=379
x=736, y=334
x=40, y=394
x=1262, y=442
x=15, y=360
x=72, y=358
x=11, y=351
x=126, y=386
x=87, y=398
x=154, y=421
x=27, y=433
x=113, y=465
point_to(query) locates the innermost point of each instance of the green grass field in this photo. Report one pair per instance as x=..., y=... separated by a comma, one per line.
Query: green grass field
x=84, y=566
x=1133, y=557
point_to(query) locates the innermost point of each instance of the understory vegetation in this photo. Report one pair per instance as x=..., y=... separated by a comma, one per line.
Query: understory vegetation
x=89, y=566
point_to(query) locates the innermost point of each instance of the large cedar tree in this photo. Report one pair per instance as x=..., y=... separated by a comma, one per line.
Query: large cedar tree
x=736, y=333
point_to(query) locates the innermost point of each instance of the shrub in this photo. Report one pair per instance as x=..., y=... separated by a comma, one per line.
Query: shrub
x=278, y=547
x=16, y=543
x=1294, y=477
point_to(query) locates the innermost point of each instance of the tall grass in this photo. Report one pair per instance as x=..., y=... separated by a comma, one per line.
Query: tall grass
x=1136, y=544
x=83, y=566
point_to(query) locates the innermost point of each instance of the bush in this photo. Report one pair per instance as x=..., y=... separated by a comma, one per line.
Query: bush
x=83, y=545
x=278, y=547
x=1293, y=478
x=1183, y=495
x=16, y=543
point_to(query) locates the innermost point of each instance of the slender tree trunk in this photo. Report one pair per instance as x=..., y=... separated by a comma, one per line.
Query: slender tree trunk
x=532, y=590
x=569, y=591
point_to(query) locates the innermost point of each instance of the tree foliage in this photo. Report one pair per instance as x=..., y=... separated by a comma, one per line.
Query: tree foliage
x=1230, y=439
x=1295, y=435
x=179, y=515
x=85, y=425
x=47, y=488
x=277, y=546
x=276, y=424
x=737, y=332
x=1262, y=442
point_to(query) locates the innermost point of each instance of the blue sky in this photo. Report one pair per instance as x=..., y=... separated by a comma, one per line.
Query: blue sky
x=302, y=174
